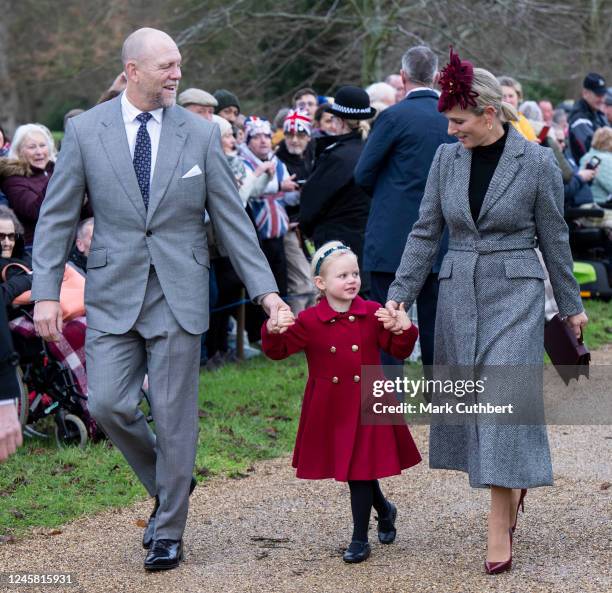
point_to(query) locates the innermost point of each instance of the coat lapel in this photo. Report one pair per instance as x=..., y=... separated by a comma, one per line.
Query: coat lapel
x=507, y=169
x=171, y=142
x=115, y=144
x=461, y=184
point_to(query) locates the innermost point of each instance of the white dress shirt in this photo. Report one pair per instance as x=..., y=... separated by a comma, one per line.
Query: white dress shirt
x=132, y=125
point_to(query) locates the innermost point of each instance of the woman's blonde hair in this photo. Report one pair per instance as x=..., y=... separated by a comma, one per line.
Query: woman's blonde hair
x=362, y=125
x=490, y=95
x=26, y=130
x=602, y=139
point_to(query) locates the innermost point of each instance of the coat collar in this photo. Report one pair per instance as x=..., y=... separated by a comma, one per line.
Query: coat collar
x=325, y=313
x=429, y=93
x=505, y=172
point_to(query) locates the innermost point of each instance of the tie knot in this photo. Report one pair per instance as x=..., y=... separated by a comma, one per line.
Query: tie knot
x=144, y=117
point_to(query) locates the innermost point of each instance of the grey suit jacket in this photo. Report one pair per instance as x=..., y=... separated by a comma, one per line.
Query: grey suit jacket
x=128, y=238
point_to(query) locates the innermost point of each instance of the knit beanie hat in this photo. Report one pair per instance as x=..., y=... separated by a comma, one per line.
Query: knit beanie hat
x=226, y=99
x=254, y=125
x=297, y=121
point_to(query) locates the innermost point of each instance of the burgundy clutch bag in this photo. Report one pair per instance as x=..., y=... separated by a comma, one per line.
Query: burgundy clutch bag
x=568, y=353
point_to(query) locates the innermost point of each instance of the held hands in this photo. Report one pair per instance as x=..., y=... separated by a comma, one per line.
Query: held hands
x=394, y=318
x=48, y=320
x=279, y=312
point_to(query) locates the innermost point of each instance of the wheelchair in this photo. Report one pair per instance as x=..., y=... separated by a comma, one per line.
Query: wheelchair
x=592, y=249
x=49, y=390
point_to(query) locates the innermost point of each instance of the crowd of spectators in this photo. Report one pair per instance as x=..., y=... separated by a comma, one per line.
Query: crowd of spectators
x=296, y=176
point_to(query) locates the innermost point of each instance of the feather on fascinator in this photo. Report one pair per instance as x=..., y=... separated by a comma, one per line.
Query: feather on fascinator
x=456, y=84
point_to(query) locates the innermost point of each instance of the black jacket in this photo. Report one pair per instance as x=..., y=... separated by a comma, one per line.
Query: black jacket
x=583, y=122
x=17, y=281
x=332, y=205
x=296, y=165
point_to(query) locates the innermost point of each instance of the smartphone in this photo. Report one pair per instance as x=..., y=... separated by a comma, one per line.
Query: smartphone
x=542, y=135
x=593, y=163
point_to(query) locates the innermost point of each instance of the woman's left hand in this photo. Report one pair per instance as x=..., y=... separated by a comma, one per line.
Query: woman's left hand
x=577, y=322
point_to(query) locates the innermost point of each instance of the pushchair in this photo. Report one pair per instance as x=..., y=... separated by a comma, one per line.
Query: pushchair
x=50, y=389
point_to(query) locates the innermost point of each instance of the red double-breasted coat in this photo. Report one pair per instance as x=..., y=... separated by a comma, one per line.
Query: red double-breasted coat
x=331, y=440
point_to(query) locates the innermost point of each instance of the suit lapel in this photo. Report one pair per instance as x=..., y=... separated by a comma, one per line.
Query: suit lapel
x=461, y=183
x=115, y=144
x=171, y=142
x=505, y=172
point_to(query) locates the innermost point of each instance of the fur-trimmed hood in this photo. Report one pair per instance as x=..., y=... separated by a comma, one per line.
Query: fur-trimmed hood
x=11, y=167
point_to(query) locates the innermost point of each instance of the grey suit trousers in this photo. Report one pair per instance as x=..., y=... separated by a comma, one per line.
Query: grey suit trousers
x=116, y=366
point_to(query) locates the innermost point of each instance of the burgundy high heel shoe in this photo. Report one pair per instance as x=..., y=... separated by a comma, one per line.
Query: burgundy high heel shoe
x=497, y=567
x=521, y=505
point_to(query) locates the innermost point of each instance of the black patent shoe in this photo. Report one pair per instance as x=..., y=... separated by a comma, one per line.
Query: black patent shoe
x=357, y=552
x=147, y=536
x=164, y=554
x=386, y=525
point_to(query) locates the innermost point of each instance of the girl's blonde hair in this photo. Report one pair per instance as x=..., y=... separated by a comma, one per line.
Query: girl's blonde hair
x=490, y=94
x=326, y=253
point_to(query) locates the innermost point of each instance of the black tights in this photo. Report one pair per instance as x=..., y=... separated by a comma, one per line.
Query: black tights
x=365, y=494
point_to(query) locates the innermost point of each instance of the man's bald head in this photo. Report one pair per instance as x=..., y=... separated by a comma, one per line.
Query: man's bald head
x=144, y=43
x=152, y=64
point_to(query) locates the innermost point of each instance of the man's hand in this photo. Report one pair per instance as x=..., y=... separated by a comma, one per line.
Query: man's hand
x=577, y=322
x=289, y=184
x=272, y=305
x=10, y=431
x=285, y=320
x=48, y=320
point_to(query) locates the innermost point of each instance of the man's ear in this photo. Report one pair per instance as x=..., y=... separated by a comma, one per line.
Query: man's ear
x=436, y=78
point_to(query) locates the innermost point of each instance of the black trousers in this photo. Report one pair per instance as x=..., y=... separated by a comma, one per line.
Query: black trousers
x=427, y=301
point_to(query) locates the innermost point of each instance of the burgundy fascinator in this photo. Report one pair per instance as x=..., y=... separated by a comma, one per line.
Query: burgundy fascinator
x=456, y=84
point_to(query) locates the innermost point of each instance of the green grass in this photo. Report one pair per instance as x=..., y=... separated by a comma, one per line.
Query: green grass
x=248, y=412
x=599, y=329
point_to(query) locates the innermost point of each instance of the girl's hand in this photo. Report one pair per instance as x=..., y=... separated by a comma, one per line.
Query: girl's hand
x=396, y=325
x=285, y=319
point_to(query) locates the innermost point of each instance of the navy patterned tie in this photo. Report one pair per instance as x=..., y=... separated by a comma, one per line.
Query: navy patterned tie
x=142, y=157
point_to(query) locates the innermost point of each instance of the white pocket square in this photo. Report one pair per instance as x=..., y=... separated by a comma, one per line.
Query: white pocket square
x=195, y=170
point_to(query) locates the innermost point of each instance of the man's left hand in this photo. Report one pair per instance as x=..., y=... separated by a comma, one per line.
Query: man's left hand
x=272, y=304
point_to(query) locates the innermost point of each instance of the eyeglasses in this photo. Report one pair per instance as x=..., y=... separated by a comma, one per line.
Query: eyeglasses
x=9, y=236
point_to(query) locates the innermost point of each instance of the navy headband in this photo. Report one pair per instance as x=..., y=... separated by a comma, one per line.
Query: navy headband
x=327, y=253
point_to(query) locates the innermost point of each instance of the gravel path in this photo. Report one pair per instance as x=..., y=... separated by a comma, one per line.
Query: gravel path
x=271, y=532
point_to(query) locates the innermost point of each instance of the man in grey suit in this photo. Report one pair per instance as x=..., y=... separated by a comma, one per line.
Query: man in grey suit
x=150, y=169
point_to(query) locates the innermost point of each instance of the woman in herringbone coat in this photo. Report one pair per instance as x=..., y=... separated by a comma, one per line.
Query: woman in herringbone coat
x=500, y=196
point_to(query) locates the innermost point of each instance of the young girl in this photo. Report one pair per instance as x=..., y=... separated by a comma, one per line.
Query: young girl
x=340, y=335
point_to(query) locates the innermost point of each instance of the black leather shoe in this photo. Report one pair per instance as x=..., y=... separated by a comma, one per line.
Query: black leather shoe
x=164, y=554
x=386, y=525
x=357, y=552
x=147, y=536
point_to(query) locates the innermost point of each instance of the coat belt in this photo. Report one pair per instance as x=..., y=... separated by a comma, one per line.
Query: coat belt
x=482, y=246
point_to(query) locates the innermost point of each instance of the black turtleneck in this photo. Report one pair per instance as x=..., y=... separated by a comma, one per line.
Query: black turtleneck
x=484, y=163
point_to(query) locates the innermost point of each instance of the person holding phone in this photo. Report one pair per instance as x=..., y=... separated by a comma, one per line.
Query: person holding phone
x=600, y=157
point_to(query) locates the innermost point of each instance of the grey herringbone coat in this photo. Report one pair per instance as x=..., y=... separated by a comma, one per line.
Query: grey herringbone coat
x=491, y=299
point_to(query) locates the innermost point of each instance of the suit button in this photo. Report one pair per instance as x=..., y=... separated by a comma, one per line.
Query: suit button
x=354, y=348
x=149, y=233
x=333, y=350
x=335, y=380
x=351, y=318
x=356, y=378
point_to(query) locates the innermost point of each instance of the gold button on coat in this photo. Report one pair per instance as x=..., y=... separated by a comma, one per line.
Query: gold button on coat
x=335, y=379
x=332, y=320
x=333, y=350
x=351, y=318
x=356, y=378
x=354, y=347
